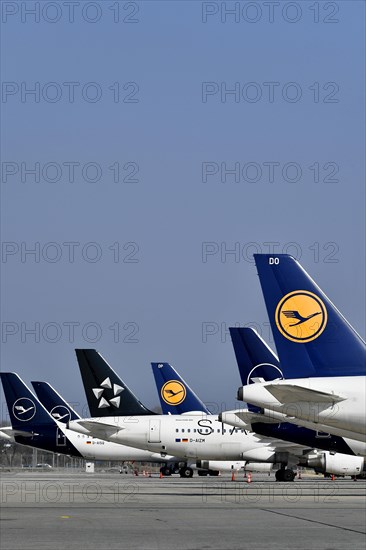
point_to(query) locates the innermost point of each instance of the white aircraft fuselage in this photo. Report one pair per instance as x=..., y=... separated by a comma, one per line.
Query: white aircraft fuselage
x=98, y=449
x=344, y=414
x=188, y=436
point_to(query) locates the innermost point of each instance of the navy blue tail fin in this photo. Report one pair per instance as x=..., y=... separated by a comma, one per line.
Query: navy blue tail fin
x=25, y=410
x=106, y=393
x=256, y=361
x=311, y=336
x=54, y=403
x=176, y=397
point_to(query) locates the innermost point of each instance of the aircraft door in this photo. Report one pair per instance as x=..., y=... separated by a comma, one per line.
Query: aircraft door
x=154, y=431
x=60, y=438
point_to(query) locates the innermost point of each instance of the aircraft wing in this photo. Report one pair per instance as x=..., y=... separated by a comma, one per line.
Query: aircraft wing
x=290, y=393
x=294, y=451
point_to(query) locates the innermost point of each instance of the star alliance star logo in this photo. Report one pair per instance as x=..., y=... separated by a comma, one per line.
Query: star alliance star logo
x=107, y=385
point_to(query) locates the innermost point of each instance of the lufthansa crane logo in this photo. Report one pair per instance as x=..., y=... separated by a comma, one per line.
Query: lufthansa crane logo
x=173, y=392
x=61, y=414
x=24, y=409
x=272, y=373
x=301, y=316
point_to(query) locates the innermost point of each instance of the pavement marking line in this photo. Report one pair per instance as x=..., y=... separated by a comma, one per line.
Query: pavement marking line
x=314, y=521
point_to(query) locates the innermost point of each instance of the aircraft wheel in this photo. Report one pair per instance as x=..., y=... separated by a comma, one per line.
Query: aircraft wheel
x=186, y=472
x=279, y=475
x=289, y=475
x=285, y=475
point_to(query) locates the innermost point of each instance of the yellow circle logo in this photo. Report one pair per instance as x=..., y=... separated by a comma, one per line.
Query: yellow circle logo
x=301, y=316
x=173, y=392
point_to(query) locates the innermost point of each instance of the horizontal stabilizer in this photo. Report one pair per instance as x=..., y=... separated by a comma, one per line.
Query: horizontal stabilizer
x=9, y=433
x=97, y=429
x=290, y=393
x=252, y=417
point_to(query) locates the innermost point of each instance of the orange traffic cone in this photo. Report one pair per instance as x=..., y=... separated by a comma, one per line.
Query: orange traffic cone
x=249, y=480
x=161, y=474
x=232, y=475
x=332, y=477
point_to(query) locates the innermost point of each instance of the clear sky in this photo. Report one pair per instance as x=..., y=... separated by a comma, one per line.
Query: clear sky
x=161, y=136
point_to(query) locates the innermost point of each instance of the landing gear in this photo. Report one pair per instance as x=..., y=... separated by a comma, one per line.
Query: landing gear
x=186, y=472
x=166, y=471
x=285, y=475
x=123, y=469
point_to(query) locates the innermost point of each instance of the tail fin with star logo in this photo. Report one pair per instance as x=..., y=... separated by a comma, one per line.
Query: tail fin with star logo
x=312, y=337
x=176, y=397
x=106, y=393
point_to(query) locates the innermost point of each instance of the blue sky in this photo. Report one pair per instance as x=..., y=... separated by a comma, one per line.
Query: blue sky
x=150, y=274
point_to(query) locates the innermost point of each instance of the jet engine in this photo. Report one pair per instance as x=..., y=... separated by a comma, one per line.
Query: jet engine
x=337, y=464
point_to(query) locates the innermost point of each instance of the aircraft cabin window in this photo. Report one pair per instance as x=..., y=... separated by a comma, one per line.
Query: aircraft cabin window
x=189, y=431
x=176, y=429
x=183, y=431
